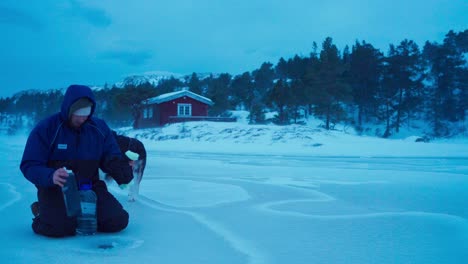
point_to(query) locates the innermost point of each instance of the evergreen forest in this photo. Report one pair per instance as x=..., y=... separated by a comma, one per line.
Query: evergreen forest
x=356, y=86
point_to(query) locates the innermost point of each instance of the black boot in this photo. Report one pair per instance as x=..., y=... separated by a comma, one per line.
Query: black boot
x=35, y=209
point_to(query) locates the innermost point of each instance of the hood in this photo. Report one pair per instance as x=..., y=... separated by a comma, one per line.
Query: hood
x=73, y=93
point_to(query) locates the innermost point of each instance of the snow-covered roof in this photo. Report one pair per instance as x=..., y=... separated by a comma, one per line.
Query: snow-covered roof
x=174, y=95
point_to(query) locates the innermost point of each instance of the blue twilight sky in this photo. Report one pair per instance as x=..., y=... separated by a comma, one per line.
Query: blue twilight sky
x=53, y=43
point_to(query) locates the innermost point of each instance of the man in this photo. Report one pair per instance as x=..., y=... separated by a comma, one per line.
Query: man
x=75, y=140
x=135, y=154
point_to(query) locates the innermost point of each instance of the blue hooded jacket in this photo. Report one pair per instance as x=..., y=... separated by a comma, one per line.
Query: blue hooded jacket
x=53, y=144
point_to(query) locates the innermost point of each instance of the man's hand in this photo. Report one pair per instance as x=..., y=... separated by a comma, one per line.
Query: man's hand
x=60, y=177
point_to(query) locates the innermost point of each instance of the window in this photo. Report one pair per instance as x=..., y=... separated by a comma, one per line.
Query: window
x=148, y=112
x=184, y=109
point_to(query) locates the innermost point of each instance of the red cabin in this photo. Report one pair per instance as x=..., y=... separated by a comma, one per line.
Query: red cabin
x=173, y=107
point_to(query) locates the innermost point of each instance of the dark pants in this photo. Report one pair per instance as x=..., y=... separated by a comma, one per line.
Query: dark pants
x=53, y=221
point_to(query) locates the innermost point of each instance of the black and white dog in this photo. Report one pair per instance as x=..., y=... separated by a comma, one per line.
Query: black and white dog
x=138, y=167
x=135, y=153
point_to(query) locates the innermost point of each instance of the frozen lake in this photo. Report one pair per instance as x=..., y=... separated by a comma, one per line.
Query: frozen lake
x=202, y=207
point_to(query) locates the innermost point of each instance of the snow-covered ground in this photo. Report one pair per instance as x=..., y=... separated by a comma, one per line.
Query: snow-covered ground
x=233, y=193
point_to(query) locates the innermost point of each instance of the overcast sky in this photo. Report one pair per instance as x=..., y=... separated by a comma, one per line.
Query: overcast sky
x=53, y=43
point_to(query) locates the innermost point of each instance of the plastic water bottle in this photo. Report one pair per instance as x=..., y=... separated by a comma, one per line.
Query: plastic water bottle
x=87, y=221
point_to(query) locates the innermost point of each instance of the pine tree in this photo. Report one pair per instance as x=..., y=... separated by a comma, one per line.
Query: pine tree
x=168, y=85
x=404, y=67
x=280, y=97
x=448, y=89
x=366, y=64
x=330, y=89
x=263, y=82
x=281, y=69
x=194, y=84
x=218, y=91
x=241, y=90
x=308, y=81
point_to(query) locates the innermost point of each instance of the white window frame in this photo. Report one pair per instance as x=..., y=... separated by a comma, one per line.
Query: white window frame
x=148, y=112
x=184, y=109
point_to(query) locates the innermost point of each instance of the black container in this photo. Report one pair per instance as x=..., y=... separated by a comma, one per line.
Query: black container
x=71, y=196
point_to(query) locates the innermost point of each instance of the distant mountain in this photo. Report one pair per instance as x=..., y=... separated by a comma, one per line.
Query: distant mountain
x=149, y=77
x=33, y=92
x=26, y=92
x=155, y=77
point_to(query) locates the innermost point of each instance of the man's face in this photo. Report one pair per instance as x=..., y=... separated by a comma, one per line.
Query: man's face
x=76, y=121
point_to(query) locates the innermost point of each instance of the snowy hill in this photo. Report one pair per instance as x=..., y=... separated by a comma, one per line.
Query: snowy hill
x=155, y=77
x=149, y=77
x=310, y=139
